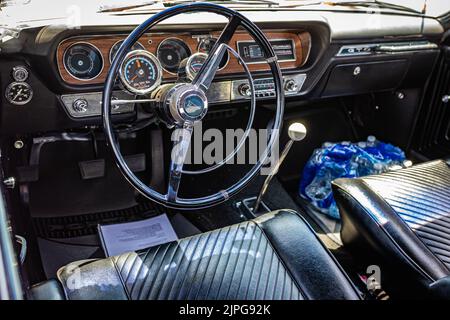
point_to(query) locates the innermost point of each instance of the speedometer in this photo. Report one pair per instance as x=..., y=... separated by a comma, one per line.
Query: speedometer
x=140, y=72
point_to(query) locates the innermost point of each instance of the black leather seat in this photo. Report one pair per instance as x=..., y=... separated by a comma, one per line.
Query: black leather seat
x=276, y=256
x=404, y=217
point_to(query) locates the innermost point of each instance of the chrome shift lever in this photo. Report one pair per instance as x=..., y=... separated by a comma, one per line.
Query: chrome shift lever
x=297, y=132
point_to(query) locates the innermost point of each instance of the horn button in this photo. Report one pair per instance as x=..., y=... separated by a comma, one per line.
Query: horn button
x=187, y=104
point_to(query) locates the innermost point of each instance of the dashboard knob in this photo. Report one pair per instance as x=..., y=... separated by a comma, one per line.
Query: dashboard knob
x=244, y=90
x=291, y=86
x=80, y=105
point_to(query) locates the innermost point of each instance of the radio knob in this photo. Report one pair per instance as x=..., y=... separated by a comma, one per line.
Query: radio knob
x=291, y=86
x=80, y=105
x=244, y=90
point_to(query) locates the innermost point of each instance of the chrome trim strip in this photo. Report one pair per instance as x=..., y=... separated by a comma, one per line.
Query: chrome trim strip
x=374, y=48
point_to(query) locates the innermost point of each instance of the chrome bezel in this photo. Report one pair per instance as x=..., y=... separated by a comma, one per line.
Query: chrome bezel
x=177, y=99
x=189, y=74
x=122, y=40
x=21, y=103
x=22, y=68
x=172, y=38
x=226, y=52
x=148, y=55
x=94, y=47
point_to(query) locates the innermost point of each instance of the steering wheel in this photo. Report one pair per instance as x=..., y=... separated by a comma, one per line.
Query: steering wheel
x=176, y=101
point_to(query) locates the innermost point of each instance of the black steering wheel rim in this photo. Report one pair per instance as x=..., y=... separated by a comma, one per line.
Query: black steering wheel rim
x=223, y=195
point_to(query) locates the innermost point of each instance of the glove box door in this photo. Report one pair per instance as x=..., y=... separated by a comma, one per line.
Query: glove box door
x=357, y=78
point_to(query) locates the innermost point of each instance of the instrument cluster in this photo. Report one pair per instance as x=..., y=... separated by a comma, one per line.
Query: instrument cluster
x=141, y=71
x=85, y=60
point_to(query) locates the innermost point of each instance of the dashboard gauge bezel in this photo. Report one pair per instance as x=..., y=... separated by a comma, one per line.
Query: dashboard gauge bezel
x=148, y=55
x=177, y=39
x=215, y=39
x=93, y=47
x=189, y=74
x=15, y=83
x=18, y=69
x=122, y=40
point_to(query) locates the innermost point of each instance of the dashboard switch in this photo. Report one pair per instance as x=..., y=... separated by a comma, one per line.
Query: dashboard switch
x=244, y=89
x=80, y=105
x=291, y=86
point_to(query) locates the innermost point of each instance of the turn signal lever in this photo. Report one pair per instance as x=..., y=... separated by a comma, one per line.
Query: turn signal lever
x=296, y=132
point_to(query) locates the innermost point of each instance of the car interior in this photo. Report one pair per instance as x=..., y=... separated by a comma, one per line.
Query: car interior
x=106, y=125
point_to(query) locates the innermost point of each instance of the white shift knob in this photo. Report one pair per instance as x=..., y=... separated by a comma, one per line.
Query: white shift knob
x=297, y=131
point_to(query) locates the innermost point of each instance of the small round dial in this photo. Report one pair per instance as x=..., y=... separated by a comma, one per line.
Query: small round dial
x=171, y=52
x=140, y=72
x=83, y=61
x=205, y=45
x=20, y=73
x=116, y=46
x=19, y=93
x=194, y=64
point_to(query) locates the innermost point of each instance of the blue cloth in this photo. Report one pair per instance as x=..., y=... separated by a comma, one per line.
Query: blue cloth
x=344, y=159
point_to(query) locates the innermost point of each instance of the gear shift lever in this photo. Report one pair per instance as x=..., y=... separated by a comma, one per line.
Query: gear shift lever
x=296, y=132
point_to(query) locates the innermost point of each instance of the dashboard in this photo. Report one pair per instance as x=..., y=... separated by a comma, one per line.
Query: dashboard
x=158, y=58
x=86, y=60
x=52, y=77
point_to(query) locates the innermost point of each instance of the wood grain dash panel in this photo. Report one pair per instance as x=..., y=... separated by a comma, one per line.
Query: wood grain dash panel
x=150, y=42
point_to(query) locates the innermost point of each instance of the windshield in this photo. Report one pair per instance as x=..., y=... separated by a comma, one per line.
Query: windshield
x=24, y=12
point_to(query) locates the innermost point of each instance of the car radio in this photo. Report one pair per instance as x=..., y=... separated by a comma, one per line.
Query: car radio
x=265, y=87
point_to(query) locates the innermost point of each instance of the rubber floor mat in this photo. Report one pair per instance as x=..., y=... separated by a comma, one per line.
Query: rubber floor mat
x=86, y=224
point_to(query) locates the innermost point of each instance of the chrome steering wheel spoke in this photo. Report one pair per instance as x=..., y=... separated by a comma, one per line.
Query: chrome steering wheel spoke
x=207, y=72
x=181, y=105
x=181, y=140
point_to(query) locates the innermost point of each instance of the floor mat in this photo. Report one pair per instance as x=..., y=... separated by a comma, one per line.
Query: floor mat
x=62, y=240
x=227, y=214
x=56, y=253
x=60, y=190
x=86, y=224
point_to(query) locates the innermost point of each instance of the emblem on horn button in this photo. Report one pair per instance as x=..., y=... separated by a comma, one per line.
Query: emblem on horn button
x=193, y=106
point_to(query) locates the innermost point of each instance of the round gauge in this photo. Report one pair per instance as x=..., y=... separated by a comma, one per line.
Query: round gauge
x=194, y=63
x=19, y=93
x=116, y=46
x=171, y=52
x=140, y=72
x=83, y=61
x=20, y=73
x=205, y=45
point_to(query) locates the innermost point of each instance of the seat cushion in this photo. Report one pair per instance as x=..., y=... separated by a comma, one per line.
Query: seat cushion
x=404, y=215
x=276, y=256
